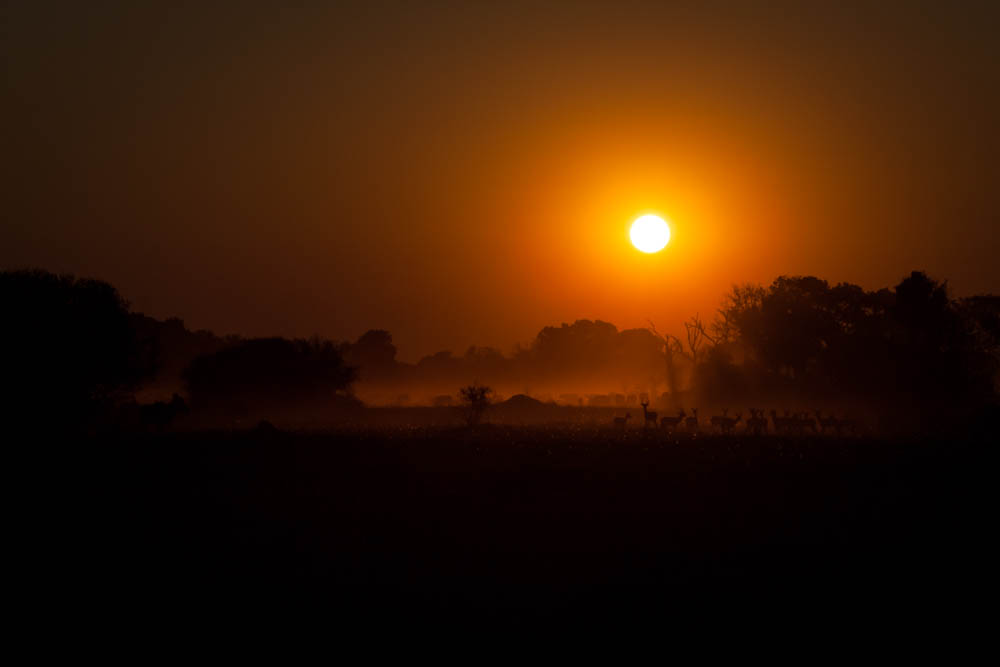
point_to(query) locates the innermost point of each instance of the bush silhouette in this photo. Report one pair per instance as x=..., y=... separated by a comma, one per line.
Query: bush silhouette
x=909, y=351
x=69, y=351
x=269, y=373
x=373, y=354
x=475, y=401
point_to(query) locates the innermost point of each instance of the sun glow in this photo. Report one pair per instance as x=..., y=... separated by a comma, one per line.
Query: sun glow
x=649, y=233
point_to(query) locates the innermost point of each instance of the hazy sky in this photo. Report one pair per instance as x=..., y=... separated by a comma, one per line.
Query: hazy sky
x=463, y=173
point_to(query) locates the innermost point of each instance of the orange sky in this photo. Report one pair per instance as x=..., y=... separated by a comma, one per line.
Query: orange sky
x=465, y=173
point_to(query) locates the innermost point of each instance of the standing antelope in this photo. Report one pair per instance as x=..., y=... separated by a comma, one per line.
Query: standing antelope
x=757, y=423
x=691, y=423
x=825, y=423
x=803, y=421
x=729, y=422
x=619, y=422
x=647, y=415
x=845, y=425
x=725, y=423
x=672, y=422
x=782, y=424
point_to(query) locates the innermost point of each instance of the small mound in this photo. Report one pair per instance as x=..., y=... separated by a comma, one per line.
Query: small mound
x=264, y=427
x=523, y=401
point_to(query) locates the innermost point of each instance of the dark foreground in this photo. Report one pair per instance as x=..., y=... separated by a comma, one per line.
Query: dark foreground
x=533, y=523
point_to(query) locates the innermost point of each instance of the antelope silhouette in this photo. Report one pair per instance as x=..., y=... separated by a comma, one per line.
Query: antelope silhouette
x=782, y=424
x=845, y=424
x=691, y=423
x=724, y=422
x=757, y=423
x=825, y=423
x=672, y=422
x=729, y=422
x=647, y=415
x=803, y=421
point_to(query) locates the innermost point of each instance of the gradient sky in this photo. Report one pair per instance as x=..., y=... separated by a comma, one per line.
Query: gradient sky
x=465, y=173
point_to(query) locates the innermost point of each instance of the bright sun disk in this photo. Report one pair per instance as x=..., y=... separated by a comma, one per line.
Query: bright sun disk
x=649, y=233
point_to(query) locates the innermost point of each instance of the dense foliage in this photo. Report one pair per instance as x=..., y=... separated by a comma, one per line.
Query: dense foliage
x=68, y=349
x=910, y=349
x=269, y=372
x=475, y=400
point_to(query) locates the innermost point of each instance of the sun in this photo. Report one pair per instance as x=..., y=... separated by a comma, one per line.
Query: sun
x=650, y=233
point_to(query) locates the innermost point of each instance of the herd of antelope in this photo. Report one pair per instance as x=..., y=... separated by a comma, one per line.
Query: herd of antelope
x=798, y=423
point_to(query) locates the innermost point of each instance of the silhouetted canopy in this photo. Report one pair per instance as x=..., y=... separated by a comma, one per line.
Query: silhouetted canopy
x=269, y=372
x=68, y=347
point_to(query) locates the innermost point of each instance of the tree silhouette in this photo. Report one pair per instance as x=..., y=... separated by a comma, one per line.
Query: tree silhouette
x=740, y=307
x=373, y=354
x=672, y=351
x=475, y=399
x=68, y=349
x=910, y=350
x=269, y=373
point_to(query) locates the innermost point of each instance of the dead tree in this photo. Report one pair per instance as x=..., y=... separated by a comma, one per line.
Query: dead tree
x=672, y=347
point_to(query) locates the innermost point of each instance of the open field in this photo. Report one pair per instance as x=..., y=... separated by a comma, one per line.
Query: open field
x=535, y=520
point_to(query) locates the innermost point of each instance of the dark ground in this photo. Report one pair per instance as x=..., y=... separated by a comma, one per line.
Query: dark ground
x=532, y=523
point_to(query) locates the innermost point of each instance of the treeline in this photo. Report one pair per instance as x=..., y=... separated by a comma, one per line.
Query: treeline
x=566, y=363
x=74, y=354
x=75, y=357
x=907, y=353
x=800, y=342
